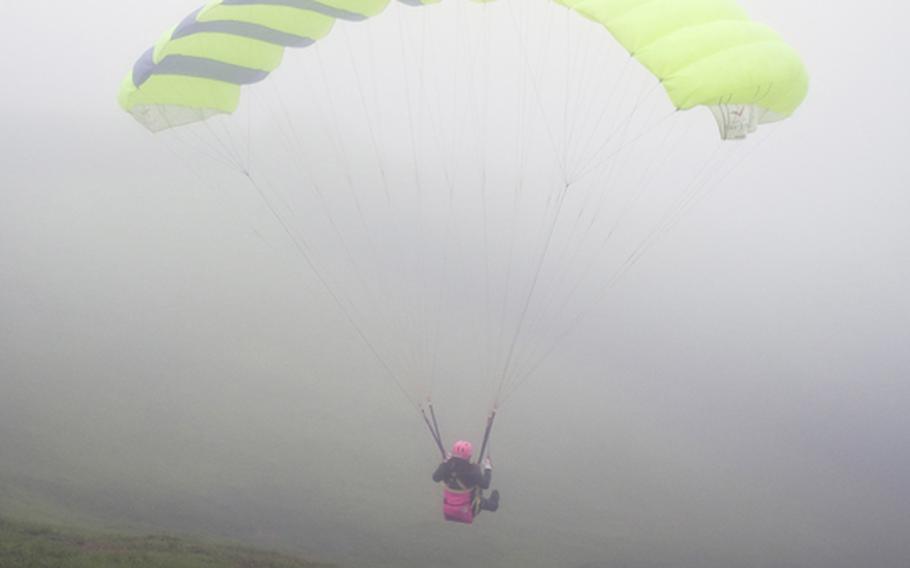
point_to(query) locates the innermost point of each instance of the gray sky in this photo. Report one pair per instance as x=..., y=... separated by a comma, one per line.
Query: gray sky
x=738, y=400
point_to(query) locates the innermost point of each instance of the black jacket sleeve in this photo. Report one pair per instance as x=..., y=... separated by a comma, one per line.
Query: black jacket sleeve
x=485, y=479
x=476, y=477
x=441, y=472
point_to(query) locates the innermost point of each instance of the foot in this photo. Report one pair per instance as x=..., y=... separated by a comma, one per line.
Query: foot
x=493, y=500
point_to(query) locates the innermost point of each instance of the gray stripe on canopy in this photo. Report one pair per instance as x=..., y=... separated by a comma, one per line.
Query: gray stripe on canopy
x=190, y=26
x=200, y=67
x=144, y=67
x=412, y=2
x=311, y=5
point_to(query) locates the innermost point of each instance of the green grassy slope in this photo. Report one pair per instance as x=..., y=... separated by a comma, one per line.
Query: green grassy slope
x=32, y=545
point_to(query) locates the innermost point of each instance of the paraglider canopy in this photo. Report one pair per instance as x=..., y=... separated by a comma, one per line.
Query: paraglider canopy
x=704, y=52
x=465, y=180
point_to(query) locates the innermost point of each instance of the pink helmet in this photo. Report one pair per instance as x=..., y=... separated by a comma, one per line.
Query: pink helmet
x=462, y=449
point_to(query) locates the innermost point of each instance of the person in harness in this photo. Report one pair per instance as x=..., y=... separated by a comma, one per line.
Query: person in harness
x=464, y=484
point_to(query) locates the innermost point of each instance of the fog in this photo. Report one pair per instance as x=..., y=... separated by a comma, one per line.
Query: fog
x=739, y=398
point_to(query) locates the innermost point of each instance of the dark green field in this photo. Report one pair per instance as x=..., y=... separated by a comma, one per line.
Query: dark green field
x=26, y=544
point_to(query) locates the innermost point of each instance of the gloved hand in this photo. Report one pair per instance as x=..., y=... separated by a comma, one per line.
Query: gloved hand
x=486, y=464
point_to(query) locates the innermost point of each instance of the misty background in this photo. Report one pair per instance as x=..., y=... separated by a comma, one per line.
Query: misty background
x=739, y=399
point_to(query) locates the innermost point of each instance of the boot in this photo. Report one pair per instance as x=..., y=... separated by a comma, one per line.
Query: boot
x=491, y=503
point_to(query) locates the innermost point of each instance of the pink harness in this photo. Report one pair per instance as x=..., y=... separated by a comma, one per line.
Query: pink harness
x=458, y=506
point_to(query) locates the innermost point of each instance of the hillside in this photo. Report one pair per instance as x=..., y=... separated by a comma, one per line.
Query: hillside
x=33, y=545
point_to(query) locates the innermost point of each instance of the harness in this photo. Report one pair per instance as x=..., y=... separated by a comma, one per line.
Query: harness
x=461, y=504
